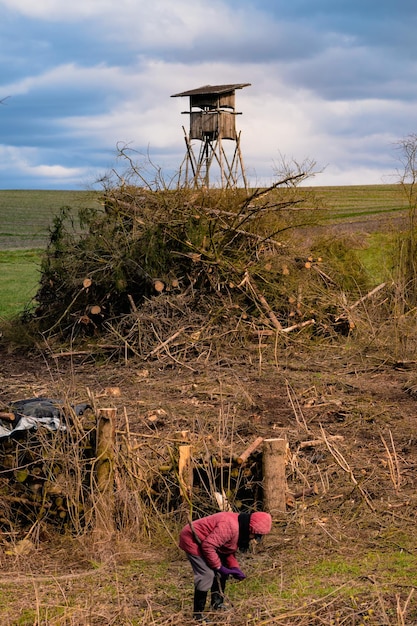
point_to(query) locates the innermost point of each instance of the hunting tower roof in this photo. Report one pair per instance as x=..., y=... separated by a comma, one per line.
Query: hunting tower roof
x=211, y=89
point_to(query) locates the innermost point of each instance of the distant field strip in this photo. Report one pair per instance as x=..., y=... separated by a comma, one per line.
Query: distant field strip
x=26, y=216
x=359, y=201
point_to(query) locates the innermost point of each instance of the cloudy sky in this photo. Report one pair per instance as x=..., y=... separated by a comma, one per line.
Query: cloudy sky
x=331, y=80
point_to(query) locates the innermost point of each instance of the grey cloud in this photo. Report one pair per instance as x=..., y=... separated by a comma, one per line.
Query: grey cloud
x=354, y=74
x=310, y=54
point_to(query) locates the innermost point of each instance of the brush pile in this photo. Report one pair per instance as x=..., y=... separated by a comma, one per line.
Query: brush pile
x=176, y=274
x=51, y=476
x=46, y=468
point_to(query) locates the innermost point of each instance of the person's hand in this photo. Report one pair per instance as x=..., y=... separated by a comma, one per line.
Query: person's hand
x=232, y=571
x=237, y=573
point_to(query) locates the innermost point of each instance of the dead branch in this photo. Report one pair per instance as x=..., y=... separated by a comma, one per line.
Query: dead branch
x=368, y=295
x=304, y=493
x=393, y=463
x=298, y=326
x=162, y=345
x=319, y=442
x=249, y=450
x=132, y=304
x=261, y=298
x=298, y=413
x=258, y=238
x=341, y=461
x=365, y=297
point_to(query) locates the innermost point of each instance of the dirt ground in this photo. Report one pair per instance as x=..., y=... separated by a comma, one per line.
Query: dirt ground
x=346, y=554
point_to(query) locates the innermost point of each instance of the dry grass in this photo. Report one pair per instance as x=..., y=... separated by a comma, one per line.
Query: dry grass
x=331, y=559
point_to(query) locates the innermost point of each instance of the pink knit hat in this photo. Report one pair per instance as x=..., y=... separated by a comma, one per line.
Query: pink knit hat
x=260, y=523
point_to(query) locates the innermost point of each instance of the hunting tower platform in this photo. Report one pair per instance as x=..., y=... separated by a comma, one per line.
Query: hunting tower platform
x=212, y=119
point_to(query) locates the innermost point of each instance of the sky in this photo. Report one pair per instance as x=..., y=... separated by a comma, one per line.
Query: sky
x=331, y=81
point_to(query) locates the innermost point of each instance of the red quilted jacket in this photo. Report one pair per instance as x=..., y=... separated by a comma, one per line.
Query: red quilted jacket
x=219, y=534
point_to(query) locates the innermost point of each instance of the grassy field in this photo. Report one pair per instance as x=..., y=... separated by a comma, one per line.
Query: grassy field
x=19, y=274
x=26, y=216
x=358, y=202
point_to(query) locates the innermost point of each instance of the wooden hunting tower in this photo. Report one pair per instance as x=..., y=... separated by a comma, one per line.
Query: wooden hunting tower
x=212, y=119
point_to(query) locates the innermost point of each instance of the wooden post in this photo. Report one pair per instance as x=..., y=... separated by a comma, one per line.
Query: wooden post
x=274, y=482
x=185, y=472
x=105, y=469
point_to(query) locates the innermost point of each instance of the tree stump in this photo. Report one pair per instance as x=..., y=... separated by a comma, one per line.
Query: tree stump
x=185, y=472
x=274, y=481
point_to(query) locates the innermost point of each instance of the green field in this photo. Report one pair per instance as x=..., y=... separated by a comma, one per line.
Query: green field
x=19, y=274
x=358, y=202
x=26, y=216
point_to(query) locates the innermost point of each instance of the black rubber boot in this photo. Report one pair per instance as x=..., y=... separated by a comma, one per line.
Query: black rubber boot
x=200, y=598
x=217, y=594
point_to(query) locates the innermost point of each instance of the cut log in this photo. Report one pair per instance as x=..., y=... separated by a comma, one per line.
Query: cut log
x=87, y=282
x=95, y=310
x=159, y=286
x=113, y=391
x=7, y=416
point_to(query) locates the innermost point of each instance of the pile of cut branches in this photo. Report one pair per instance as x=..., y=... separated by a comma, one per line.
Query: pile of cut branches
x=171, y=273
x=46, y=475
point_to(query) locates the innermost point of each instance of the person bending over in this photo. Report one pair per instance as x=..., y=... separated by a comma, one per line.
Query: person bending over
x=210, y=544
